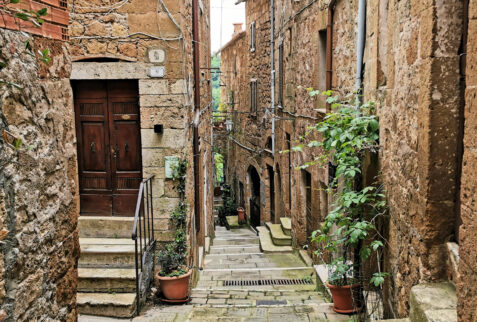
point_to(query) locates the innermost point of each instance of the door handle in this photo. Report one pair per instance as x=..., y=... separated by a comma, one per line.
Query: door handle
x=126, y=147
x=116, y=152
x=93, y=147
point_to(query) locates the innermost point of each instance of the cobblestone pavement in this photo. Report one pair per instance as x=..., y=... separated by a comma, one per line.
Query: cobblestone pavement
x=235, y=255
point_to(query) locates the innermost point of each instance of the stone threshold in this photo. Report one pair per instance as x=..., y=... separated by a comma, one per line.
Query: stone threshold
x=235, y=246
x=234, y=254
x=255, y=269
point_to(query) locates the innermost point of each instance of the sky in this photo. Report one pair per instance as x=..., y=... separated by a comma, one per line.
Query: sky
x=223, y=13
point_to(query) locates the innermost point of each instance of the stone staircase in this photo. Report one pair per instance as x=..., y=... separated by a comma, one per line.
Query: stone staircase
x=106, y=273
x=276, y=238
x=218, y=202
x=240, y=282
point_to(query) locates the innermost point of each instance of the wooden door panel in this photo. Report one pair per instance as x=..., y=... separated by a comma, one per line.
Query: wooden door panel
x=126, y=165
x=94, y=149
x=128, y=157
x=109, y=146
x=124, y=204
x=96, y=204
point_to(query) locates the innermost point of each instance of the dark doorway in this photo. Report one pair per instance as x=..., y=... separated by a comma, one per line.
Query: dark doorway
x=271, y=178
x=308, y=202
x=109, y=146
x=254, y=198
x=241, y=195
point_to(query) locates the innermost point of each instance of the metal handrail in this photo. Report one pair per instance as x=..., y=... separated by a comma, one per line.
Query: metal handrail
x=143, y=216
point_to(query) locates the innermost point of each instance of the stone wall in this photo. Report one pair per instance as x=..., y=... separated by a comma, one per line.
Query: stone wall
x=413, y=73
x=133, y=33
x=38, y=184
x=467, y=283
x=251, y=130
x=298, y=31
x=421, y=108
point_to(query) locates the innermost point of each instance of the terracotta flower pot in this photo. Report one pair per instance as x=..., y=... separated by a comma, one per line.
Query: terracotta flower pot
x=241, y=214
x=175, y=288
x=345, y=298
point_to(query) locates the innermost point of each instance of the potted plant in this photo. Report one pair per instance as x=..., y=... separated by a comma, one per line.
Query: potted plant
x=348, y=233
x=174, y=275
x=343, y=287
x=241, y=214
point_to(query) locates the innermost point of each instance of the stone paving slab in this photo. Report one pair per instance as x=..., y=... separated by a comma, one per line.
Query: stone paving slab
x=192, y=313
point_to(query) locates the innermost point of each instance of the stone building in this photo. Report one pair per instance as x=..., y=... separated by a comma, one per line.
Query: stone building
x=125, y=100
x=138, y=59
x=39, y=202
x=418, y=66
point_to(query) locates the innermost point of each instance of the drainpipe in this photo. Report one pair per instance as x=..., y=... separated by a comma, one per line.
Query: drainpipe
x=360, y=49
x=272, y=69
x=195, y=42
x=329, y=48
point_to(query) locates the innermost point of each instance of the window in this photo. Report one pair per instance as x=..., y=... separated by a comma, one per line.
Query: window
x=290, y=38
x=235, y=65
x=271, y=177
x=253, y=97
x=306, y=177
x=280, y=75
x=252, y=36
x=288, y=140
x=322, y=42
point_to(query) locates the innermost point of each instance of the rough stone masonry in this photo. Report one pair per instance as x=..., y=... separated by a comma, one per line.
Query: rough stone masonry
x=38, y=189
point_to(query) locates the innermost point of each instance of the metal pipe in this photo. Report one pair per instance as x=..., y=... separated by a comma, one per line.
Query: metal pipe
x=360, y=49
x=196, y=152
x=272, y=70
x=329, y=49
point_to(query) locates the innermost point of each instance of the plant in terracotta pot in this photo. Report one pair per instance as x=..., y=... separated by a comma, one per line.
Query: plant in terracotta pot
x=241, y=214
x=174, y=275
x=348, y=234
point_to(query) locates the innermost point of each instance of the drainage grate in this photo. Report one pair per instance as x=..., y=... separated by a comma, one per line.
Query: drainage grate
x=302, y=281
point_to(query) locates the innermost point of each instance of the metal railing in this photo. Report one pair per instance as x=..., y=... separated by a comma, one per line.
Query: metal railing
x=144, y=239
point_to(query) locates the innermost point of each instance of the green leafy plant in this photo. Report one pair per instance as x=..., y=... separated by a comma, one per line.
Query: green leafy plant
x=173, y=257
x=348, y=232
x=32, y=16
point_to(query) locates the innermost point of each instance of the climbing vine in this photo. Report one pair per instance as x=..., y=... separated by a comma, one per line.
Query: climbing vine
x=349, y=231
x=173, y=257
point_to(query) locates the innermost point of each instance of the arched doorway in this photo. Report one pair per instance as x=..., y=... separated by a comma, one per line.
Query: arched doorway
x=254, y=197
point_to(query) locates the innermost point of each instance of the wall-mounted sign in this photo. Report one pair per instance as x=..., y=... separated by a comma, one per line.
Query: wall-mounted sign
x=171, y=165
x=157, y=72
x=156, y=56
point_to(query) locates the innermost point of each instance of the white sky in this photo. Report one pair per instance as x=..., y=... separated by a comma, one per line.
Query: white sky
x=223, y=13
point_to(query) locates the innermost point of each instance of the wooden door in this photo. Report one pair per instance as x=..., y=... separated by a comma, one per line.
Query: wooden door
x=109, y=146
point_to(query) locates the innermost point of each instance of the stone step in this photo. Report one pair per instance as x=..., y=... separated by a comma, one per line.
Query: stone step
x=110, y=227
x=106, y=241
x=224, y=274
x=256, y=298
x=120, y=305
x=267, y=245
x=107, y=255
x=286, y=225
x=278, y=236
x=252, y=260
x=433, y=302
x=235, y=242
x=234, y=249
x=106, y=280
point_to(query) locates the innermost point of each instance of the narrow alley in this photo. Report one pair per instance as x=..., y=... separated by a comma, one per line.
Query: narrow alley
x=241, y=283
x=238, y=160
